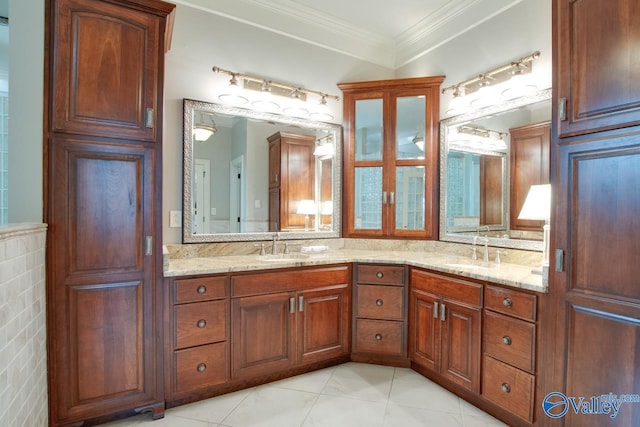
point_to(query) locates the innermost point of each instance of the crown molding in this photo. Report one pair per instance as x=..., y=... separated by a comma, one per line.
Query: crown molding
x=309, y=25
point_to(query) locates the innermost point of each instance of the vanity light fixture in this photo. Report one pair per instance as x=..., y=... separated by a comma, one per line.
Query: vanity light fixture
x=486, y=82
x=233, y=96
x=324, y=147
x=299, y=98
x=480, y=138
x=265, y=100
x=459, y=103
x=321, y=112
x=296, y=105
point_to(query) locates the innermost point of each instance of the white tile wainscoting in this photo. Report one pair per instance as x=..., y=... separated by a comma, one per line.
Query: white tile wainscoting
x=23, y=357
x=348, y=395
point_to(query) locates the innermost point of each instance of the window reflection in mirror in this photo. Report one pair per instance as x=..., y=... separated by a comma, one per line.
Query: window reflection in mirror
x=249, y=173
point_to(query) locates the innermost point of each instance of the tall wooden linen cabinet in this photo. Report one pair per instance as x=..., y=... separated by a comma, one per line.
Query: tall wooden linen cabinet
x=595, y=163
x=103, y=156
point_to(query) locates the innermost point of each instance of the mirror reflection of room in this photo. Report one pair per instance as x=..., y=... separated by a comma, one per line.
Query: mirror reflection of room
x=257, y=176
x=491, y=162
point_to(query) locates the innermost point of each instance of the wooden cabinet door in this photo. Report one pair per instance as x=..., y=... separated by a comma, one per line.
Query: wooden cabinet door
x=106, y=72
x=263, y=334
x=391, y=158
x=101, y=279
x=461, y=336
x=596, y=294
x=424, y=330
x=530, y=148
x=323, y=321
x=597, y=56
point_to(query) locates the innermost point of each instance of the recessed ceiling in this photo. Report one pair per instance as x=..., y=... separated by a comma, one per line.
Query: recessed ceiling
x=387, y=33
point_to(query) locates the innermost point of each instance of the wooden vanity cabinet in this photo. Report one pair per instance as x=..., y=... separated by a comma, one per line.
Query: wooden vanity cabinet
x=103, y=159
x=380, y=327
x=289, y=318
x=445, y=327
x=509, y=355
x=197, y=356
x=291, y=179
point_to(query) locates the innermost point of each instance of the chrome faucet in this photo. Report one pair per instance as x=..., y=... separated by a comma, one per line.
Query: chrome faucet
x=274, y=245
x=485, y=256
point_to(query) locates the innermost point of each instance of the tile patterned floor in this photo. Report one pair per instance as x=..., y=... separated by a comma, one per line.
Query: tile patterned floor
x=348, y=395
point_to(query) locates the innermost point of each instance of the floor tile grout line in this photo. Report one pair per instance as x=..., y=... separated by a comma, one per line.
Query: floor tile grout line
x=237, y=405
x=315, y=402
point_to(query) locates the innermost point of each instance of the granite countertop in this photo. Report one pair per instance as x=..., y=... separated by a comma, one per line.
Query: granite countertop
x=515, y=275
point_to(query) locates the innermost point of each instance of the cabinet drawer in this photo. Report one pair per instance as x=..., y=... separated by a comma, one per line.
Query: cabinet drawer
x=200, y=367
x=290, y=280
x=510, y=302
x=379, y=336
x=200, y=323
x=461, y=291
x=510, y=340
x=383, y=274
x=380, y=302
x=200, y=289
x=508, y=387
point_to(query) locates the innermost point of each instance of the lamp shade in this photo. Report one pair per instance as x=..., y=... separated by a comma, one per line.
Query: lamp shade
x=306, y=207
x=537, y=205
x=327, y=207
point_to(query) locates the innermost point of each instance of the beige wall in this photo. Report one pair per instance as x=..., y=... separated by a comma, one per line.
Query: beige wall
x=202, y=40
x=23, y=358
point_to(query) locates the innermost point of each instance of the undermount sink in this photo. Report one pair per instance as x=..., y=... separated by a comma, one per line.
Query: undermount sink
x=282, y=257
x=471, y=266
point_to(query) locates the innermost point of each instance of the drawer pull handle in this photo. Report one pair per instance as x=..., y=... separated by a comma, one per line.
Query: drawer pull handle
x=435, y=309
x=506, y=340
x=202, y=367
x=506, y=388
x=507, y=302
x=379, y=275
x=378, y=337
x=379, y=302
x=201, y=289
x=201, y=323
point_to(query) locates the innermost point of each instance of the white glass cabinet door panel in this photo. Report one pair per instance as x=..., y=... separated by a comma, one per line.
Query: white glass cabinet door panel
x=410, y=117
x=409, y=198
x=368, y=198
x=368, y=129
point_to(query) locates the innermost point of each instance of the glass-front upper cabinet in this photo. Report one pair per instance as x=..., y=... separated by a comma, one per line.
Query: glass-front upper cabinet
x=391, y=158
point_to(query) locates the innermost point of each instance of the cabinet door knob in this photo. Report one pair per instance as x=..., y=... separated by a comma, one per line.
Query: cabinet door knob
x=506, y=340
x=506, y=302
x=201, y=323
x=378, y=337
x=201, y=289
x=202, y=367
x=506, y=388
x=379, y=275
x=379, y=302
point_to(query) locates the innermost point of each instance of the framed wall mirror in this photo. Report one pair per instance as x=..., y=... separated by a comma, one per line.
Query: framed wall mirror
x=249, y=174
x=481, y=172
